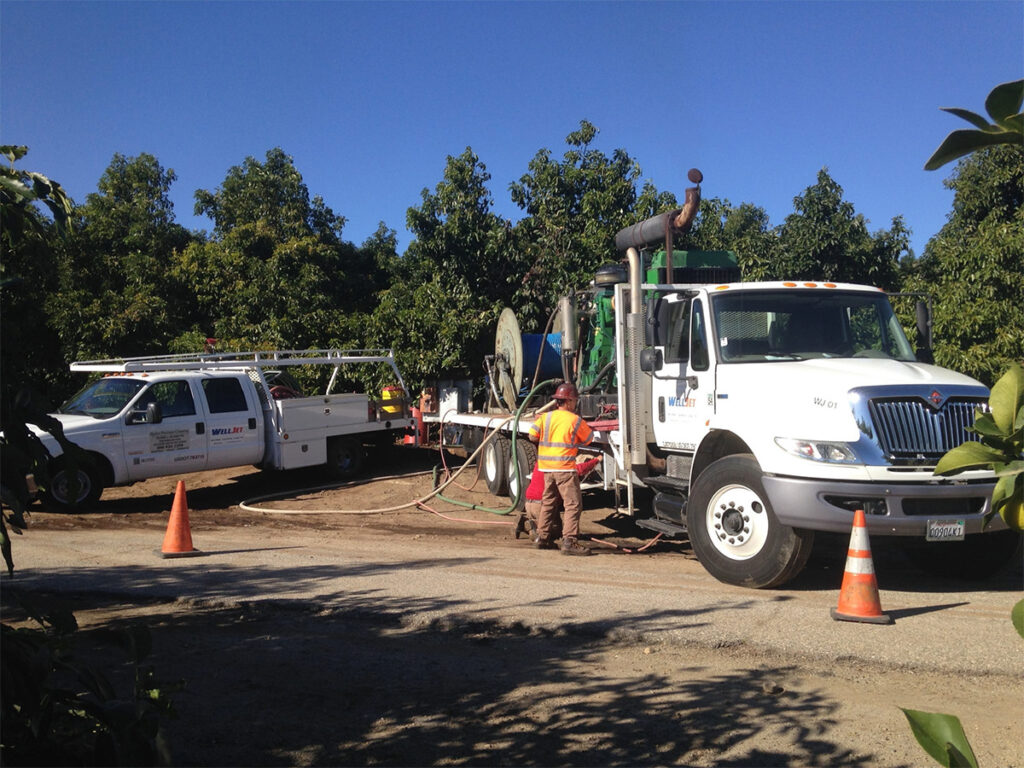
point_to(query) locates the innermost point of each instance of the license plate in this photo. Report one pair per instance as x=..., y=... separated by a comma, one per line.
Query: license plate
x=945, y=530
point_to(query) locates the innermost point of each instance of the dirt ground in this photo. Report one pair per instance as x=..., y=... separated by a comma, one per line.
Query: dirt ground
x=287, y=684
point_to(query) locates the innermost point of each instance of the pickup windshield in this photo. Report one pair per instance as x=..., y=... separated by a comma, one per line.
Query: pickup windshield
x=104, y=398
x=786, y=324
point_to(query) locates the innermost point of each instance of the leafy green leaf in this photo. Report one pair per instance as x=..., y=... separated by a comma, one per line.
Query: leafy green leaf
x=960, y=143
x=1017, y=617
x=1007, y=398
x=1013, y=123
x=13, y=153
x=1005, y=100
x=942, y=737
x=984, y=424
x=967, y=456
x=973, y=118
x=16, y=186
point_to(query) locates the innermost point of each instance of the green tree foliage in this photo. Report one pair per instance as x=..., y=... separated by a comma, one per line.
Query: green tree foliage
x=276, y=272
x=574, y=207
x=1007, y=127
x=114, y=296
x=272, y=193
x=973, y=266
x=28, y=346
x=456, y=275
x=743, y=229
x=29, y=277
x=825, y=239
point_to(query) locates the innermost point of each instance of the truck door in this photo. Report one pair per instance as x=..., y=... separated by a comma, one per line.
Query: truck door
x=174, y=445
x=233, y=424
x=683, y=389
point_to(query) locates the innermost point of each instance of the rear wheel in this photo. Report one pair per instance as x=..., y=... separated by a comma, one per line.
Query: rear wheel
x=62, y=496
x=734, y=532
x=345, y=456
x=978, y=557
x=496, y=454
x=526, y=458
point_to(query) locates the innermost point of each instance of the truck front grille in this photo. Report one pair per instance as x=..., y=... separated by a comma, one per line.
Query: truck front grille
x=912, y=431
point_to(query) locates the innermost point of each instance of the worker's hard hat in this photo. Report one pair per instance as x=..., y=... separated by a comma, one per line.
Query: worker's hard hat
x=566, y=392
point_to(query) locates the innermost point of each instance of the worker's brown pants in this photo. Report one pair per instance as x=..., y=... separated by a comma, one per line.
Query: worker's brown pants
x=564, y=486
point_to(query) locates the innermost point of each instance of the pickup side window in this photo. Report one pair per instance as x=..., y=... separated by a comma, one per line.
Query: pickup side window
x=174, y=397
x=224, y=395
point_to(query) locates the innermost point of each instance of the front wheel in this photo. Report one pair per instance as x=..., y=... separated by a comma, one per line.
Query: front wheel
x=65, y=493
x=734, y=532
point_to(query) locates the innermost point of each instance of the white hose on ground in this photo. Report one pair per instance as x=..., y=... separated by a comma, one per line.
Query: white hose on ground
x=249, y=505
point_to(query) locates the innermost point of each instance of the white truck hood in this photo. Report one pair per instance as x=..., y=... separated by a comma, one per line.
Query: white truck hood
x=74, y=424
x=811, y=399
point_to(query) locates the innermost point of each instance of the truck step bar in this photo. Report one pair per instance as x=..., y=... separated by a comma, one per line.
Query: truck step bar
x=672, y=530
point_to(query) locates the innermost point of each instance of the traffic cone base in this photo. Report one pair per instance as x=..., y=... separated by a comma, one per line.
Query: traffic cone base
x=858, y=597
x=178, y=539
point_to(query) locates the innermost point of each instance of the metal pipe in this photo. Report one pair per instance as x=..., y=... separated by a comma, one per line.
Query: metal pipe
x=635, y=265
x=660, y=228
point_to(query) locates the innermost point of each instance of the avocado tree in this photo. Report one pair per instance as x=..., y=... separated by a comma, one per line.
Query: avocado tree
x=27, y=277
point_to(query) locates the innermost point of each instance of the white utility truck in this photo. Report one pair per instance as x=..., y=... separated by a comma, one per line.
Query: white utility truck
x=755, y=413
x=169, y=414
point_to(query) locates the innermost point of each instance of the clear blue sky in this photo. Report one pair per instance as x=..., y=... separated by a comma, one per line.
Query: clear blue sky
x=369, y=98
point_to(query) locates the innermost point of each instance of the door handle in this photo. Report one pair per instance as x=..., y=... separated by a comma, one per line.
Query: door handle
x=200, y=428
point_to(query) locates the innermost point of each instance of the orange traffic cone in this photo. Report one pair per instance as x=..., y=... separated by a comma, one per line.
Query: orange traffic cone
x=178, y=539
x=858, y=597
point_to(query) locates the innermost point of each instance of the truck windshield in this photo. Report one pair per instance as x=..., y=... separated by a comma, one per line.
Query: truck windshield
x=779, y=325
x=104, y=398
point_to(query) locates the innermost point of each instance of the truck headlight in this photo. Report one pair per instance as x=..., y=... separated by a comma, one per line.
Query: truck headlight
x=818, y=450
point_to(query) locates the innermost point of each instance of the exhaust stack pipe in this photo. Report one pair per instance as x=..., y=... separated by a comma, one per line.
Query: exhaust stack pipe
x=664, y=226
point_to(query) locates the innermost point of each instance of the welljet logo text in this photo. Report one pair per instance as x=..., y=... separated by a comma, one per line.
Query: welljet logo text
x=226, y=430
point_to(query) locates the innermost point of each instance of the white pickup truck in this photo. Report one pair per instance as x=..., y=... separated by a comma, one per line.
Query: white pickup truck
x=169, y=414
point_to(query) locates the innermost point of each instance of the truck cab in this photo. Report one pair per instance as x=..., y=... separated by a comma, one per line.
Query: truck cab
x=768, y=411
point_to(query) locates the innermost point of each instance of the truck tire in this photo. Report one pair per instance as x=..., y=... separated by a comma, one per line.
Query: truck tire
x=734, y=532
x=526, y=457
x=345, y=457
x=979, y=556
x=495, y=465
x=57, y=495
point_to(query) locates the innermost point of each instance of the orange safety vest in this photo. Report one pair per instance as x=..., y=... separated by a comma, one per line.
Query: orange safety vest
x=558, y=435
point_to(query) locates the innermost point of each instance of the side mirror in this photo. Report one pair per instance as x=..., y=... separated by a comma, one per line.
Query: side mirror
x=651, y=359
x=152, y=415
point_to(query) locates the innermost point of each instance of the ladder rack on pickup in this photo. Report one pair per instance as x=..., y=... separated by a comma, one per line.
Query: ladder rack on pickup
x=244, y=360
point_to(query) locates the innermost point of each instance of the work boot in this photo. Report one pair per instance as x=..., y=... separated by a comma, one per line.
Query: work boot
x=544, y=544
x=521, y=526
x=572, y=547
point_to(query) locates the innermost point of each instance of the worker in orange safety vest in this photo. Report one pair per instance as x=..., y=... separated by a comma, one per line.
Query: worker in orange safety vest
x=559, y=435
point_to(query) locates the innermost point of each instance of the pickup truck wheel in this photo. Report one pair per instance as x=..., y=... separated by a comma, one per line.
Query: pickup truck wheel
x=979, y=556
x=58, y=495
x=344, y=457
x=526, y=457
x=496, y=454
x=734, y=532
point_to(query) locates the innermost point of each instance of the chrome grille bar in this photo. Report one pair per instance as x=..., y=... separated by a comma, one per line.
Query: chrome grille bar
x=910, y=428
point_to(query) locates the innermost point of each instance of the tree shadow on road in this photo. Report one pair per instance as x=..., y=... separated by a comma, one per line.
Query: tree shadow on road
x=361, y=679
